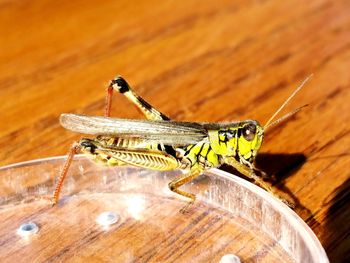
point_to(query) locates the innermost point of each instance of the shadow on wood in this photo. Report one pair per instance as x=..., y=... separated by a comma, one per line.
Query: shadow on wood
x=277, y=167
x=337, y=220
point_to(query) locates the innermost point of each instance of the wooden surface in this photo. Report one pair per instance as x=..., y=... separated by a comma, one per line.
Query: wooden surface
x=195, y=61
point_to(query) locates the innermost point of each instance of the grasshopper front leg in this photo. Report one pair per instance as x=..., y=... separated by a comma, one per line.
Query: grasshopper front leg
x=249, y=172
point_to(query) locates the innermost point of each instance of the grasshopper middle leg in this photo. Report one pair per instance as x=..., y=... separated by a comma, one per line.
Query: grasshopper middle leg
x=183, y=179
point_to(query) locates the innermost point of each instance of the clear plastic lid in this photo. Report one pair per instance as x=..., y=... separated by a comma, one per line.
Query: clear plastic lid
x=128, y=214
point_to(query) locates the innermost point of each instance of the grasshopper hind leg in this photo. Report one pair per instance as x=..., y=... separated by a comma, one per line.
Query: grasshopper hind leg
x=119, y=84
x=56, y=194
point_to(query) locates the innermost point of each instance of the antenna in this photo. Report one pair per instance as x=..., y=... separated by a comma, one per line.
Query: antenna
x=284, y=117
x=269, y=123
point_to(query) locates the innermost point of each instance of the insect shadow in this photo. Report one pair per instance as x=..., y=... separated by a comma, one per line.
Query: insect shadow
x=277, y=168
x=336, y=229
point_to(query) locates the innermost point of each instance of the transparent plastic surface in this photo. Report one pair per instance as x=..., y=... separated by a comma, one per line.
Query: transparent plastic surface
x=127, y=214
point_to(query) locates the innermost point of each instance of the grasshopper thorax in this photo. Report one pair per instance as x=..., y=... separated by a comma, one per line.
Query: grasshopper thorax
x=240, y=140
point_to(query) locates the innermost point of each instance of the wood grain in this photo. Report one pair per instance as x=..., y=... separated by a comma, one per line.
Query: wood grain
x=213, y=61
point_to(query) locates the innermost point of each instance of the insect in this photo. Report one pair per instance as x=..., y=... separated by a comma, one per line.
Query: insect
x=162, y=144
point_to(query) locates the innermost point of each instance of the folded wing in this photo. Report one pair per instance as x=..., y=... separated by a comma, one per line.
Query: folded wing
x=166, y=132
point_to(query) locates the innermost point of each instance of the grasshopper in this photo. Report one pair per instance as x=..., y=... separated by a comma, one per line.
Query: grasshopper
x=162, y=144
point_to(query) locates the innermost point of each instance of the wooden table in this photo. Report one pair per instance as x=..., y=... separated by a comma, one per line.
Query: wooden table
x=195, y=61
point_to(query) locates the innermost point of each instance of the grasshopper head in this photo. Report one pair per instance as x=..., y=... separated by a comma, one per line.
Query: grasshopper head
x=241, y=140
x=249, y=139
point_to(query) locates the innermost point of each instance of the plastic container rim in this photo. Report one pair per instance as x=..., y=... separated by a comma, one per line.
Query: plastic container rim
x=295, y=220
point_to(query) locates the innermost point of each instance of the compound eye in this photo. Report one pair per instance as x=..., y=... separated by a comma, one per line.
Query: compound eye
x=249, y=132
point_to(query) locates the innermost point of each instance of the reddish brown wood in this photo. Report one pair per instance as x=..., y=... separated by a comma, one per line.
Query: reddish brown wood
x=213, y=61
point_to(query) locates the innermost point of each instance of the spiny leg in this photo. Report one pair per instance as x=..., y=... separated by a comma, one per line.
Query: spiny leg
x=73, y=150
x=79, y=146
x=183, y=179
x=119, y=84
